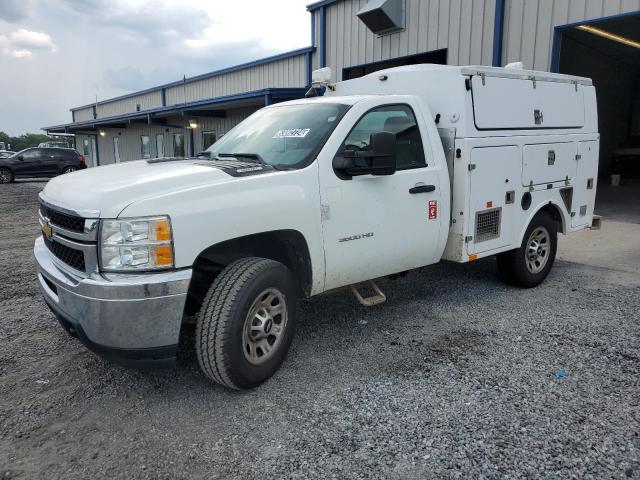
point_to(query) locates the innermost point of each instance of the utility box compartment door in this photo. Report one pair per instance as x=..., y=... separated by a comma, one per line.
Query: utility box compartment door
x=584, y=190
x=548, y=162
x=508, y=103
x=493, y=175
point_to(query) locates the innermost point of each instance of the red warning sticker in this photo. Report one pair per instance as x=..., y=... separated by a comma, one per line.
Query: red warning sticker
x=433, y=209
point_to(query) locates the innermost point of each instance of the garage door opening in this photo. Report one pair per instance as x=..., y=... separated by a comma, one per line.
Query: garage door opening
x=436, y=56
x=608, y=51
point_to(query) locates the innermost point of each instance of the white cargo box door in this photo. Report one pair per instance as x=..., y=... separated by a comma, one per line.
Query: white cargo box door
x=548, y=163
x=508, y=103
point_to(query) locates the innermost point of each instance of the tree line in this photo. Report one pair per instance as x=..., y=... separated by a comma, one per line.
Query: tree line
x=27, y=140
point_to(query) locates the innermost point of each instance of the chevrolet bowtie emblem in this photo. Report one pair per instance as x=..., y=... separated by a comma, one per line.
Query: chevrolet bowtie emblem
x=47, y=231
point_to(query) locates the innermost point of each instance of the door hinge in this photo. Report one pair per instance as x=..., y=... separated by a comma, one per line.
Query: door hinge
x=472, y=166
x=482, y=76
x=578, y=156
x=468, y=239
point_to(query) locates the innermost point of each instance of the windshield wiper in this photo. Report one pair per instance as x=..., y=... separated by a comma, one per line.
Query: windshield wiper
x=251, y=156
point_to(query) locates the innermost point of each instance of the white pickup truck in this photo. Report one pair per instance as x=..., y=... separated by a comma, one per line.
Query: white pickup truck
x=382, y=174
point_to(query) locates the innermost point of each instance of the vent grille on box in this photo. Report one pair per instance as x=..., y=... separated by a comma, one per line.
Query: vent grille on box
x=488, y=224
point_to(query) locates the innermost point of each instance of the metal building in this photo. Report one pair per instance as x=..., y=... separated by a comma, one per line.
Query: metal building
x=594, y=38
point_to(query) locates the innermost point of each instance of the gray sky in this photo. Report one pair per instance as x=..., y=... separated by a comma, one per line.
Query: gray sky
x=55, y=55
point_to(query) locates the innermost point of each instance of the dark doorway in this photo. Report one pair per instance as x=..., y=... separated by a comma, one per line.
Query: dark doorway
x=437, y=56
x=608, y=51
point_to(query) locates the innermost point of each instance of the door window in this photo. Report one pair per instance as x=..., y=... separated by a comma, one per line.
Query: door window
x=160, y=145
x=85, y=147
x=208, y=139
x=116, y=149
x=146, y=146
x=31, y=155
x=397, y=119
x=178, y=145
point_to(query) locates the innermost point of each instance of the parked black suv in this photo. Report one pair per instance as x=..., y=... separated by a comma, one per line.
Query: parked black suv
x=40, y=162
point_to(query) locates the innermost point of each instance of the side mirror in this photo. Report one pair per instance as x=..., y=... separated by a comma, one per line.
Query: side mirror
x=378, y=159
x=21, y=158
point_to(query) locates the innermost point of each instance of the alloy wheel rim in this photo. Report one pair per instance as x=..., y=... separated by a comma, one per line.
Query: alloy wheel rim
x=5, y=176
x=538, y=248
x=264, y=326
x=69, y=170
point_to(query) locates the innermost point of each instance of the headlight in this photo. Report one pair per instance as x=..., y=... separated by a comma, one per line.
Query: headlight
x=136, y=244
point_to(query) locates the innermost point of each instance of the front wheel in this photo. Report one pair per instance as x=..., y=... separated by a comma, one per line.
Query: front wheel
x=246, y=323
x=5, y=175
x=530, y=264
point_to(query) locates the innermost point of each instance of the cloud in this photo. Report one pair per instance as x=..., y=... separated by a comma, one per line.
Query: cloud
x=14, y=11
x=109, y=47
x=146, y=20
x=23, y=43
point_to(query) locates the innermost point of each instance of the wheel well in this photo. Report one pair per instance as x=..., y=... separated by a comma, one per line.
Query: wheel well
x=556, y=214
x=288, y=247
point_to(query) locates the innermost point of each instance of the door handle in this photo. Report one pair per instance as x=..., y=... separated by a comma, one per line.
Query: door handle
x=422, y=189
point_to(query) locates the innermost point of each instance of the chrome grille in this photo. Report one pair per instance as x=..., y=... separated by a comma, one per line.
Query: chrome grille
x=488, y=224
x=63, y=220
x=71, y=237
x=72, y=257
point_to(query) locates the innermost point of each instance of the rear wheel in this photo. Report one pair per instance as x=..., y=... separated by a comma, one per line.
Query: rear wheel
x=6, y=176
x=246, y=323
x=69, y=169
x=530, y=264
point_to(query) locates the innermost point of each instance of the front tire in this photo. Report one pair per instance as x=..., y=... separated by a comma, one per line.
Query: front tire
x=246, y=323
x=6, y=176
x=530, y=264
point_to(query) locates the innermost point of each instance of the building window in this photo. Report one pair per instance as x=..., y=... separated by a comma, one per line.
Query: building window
x=397, y=119
x=85, y=147
x=178, y=144
x=146, y=146
x=208, y=139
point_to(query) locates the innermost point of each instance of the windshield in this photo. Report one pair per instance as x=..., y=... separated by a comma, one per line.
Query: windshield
x=287, y=136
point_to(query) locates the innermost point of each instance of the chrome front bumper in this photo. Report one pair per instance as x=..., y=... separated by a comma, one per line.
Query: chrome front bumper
x=130, y=319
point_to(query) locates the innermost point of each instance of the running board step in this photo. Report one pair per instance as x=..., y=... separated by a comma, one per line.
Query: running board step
x=376, y=299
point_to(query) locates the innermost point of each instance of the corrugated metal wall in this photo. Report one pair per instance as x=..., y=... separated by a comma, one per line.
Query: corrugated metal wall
x=465, y=28
x=83, y=114
x=289, y=72
x=130, y=137
x=127, y=105
x=529, y=25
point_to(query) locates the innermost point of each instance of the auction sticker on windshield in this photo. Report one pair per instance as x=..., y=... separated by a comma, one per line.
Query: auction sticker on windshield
x=292, y=133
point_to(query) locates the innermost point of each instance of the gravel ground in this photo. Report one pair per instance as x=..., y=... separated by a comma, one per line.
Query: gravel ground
x=452, y=377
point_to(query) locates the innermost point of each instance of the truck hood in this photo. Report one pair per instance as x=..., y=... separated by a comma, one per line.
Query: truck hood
x=110, y=189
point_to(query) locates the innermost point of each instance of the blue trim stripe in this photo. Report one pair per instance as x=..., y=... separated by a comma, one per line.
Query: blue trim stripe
x=498, y=33
x=323, y=37
x=309, y=68
x=273, y=93
x=262, y=61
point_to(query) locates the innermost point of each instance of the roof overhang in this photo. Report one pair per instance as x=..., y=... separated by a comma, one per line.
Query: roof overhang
x=211, y=107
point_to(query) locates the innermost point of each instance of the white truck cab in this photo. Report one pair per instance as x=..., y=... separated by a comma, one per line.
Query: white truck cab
x=386, y=173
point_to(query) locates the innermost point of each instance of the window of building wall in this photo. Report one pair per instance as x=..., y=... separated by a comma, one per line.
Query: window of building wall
x=145, y=146
x=208, y=139
x=178, y=145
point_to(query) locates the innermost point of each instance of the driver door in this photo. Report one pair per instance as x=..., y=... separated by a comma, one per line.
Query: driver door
x=379, y=225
